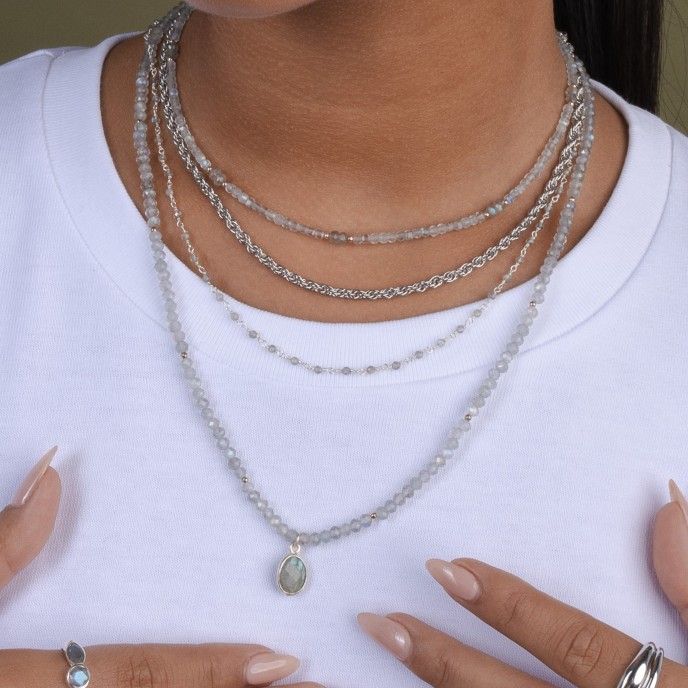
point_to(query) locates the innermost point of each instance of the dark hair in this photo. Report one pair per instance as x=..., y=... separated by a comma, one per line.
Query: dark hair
x=620, y=43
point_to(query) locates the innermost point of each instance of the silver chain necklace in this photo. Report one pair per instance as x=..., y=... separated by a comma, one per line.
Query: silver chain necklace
x=219, y=179
x=279, y=351
x=318, y=368
x=292, y=572
x=169, y=50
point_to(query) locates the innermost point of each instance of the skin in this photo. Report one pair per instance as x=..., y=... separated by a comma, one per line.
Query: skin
x=24, y=530
x=575, y=645
x=581, y=649
x=358, y=116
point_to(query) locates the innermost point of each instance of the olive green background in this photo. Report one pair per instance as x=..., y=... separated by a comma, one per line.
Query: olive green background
x=29, y=24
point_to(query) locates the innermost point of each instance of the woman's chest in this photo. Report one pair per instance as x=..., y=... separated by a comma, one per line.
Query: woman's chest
x=557, y=482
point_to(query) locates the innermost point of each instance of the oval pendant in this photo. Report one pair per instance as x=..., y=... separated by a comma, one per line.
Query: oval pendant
x=292, y=573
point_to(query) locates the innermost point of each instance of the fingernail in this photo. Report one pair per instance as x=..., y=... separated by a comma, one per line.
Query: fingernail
x=31, y=481
x=390, y=634
x=268, y=667
x=678, y=497
x=455, y=579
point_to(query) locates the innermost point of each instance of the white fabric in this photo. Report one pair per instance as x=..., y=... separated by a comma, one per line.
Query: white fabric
x=558, y=482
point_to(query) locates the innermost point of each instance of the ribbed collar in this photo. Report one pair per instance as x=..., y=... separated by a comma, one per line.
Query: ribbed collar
x=110, y=225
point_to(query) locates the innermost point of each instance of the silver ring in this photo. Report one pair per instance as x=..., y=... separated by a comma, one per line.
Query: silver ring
x=644, y=669
x=78, y=675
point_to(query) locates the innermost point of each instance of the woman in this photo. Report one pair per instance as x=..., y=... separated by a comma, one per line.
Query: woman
x=371, y=320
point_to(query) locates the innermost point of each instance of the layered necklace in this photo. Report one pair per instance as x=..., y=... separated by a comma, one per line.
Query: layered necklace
x=157, y=103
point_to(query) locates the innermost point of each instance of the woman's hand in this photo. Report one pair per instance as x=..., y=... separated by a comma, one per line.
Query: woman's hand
x=25, y=526
x=581, y=649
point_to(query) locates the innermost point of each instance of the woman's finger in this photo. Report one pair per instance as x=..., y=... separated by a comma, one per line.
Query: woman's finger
x=143, y=666
x=438, y=659
x=28, y=521
x=581, y=649
x=670, y=550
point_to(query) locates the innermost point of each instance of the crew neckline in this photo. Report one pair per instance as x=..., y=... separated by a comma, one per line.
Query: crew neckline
x=115, y=233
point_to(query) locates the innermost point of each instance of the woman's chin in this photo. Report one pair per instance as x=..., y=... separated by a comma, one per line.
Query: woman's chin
x=248, y=9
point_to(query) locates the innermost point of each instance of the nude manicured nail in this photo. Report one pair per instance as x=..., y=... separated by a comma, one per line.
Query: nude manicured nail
x=678, y=497
x=390, y=634
x=268, y=667
x=456, y=580
x=31, y=481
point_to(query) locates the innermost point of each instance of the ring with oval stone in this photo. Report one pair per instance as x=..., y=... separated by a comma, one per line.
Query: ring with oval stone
x=78, y=675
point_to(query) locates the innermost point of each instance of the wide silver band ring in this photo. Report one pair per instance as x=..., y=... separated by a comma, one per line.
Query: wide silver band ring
x=78, y=675
x=644, y=669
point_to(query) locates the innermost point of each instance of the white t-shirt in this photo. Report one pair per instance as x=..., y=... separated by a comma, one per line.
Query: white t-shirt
x=558, y=482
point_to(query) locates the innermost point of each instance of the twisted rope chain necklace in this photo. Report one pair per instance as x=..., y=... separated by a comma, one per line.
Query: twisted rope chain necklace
x=279, y=351
x=292, y=572
x=168, y=72
x=171, y=48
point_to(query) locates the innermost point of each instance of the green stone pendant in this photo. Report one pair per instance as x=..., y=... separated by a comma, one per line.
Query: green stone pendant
x=292, y=573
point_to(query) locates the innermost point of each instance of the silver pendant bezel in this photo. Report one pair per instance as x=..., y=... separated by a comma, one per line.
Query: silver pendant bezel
x=294, y=550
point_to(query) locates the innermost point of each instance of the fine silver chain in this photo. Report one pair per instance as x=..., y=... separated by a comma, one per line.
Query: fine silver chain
x=218, y=177
x=448, y=451
x=171, y=47
x=279, y=351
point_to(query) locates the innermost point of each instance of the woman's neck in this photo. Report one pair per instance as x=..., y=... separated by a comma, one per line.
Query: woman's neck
x=364, y=116
x=405, y=96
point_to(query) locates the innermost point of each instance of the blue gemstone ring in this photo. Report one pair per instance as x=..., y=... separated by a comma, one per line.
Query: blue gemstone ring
x=78, y=676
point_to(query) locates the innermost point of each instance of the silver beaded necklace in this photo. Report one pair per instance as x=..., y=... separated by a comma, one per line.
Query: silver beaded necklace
x=319, y=369
x=169, y=50
x=370, y=369
x=279, y=351
x=219, y=179
x=292, y=572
